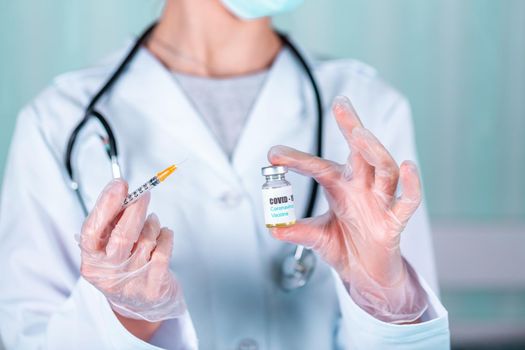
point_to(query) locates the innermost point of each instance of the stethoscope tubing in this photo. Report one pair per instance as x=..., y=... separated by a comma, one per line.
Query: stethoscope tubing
x=112, y=150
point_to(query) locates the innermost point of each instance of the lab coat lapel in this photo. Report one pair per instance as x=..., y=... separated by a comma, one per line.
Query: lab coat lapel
x=278, y=111
x=151, y=90
x=283, y=114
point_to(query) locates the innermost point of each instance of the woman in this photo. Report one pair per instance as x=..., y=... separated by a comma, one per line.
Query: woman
x=216, y=85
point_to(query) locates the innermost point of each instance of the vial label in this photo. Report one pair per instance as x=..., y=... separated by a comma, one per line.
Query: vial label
x=279, y=207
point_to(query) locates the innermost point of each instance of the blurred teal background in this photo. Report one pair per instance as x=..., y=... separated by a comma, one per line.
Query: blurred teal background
x=460, y=62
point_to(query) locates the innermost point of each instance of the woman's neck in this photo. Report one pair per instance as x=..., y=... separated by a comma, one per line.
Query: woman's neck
x=201, y=37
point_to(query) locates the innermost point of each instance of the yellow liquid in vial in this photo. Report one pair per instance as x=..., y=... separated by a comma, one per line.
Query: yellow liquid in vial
x=283, y=224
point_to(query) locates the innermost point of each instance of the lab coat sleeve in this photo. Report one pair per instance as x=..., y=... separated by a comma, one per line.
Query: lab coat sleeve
x=359, y=330
x=44, y=303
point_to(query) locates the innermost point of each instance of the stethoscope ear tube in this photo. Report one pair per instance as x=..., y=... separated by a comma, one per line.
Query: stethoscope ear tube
x=111, y=149
x=298, y=267
x=90, y=111
x=319, y=109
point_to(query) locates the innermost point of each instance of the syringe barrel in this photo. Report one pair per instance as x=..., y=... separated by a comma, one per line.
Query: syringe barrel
x=139, y=192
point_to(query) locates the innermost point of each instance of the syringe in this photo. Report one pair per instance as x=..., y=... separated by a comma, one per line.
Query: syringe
x=148, y=186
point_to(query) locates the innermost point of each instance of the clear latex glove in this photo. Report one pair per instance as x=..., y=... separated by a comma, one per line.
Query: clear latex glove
x=126, y=256
x=360, y=234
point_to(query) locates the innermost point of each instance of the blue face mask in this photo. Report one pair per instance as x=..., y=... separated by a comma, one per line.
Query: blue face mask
x=251, y=9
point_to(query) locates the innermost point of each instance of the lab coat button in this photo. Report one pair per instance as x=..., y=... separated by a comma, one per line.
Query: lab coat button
x=248, y=344
x=231, y=199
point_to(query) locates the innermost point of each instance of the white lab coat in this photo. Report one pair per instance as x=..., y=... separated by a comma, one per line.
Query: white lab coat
x=223, y=256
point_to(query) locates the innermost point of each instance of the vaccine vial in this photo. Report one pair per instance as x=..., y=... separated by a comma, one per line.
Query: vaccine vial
x=277, y=195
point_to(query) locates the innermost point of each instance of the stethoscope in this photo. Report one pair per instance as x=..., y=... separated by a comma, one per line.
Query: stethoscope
x=297, y=268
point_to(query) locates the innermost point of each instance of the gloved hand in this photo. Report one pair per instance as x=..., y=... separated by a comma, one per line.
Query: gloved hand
x=360, y=234
x=126, y=256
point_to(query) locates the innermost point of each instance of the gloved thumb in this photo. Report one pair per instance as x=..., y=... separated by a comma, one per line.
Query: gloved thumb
x=410, y=198
x=307, y=232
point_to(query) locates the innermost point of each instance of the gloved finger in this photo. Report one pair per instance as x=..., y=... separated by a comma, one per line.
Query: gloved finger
x=386, y=171
x=345, y=116
x=99, y=223
x=358, y=170
x=147, y=242
x=347, y=120
x=307, y=232
x=160, y=260
x=320, y=169
x=410, y=198
x=127, y=230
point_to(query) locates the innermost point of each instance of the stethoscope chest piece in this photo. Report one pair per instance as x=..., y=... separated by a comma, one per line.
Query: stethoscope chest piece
x=297, y=269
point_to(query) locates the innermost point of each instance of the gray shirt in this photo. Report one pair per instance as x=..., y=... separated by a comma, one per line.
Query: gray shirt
x=224, y=103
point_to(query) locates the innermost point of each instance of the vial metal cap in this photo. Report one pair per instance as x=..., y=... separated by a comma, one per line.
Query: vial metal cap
x=274, y=170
